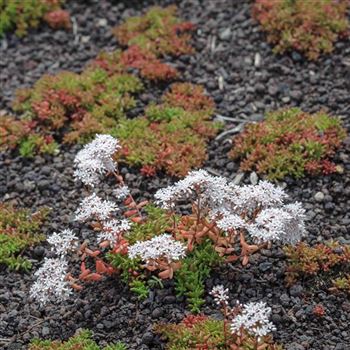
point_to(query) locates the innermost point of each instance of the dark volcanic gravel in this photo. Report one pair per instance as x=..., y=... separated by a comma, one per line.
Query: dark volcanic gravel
x=239, y=70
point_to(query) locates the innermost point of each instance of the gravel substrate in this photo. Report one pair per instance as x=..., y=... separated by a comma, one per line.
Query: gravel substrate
x=246, y=79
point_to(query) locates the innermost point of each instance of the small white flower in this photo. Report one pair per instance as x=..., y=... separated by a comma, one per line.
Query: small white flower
x=254, y=318
x=285, y=224
x=231, y=221
x=94, y=206
x=62, y=242
x=163, y=246
x=113, y=229
x=220, y=295
x=51, y=283
x=95, y=159
x=121, y=192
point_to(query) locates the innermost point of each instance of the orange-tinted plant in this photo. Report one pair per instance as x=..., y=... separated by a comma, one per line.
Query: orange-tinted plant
x=310, y=27
x=327, y=258
x=289, y=142
x=58, y=19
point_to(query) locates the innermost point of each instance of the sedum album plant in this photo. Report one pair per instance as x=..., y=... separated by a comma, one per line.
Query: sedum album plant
x=310, y=27
x=22, y=15
x=244, y=327
x=146, y=243
x=290, y=142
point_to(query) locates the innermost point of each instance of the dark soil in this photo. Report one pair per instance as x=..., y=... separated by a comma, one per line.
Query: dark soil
x=246, y=79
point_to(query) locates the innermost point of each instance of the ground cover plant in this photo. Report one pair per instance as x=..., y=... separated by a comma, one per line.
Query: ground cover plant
x=159, y=31
x=19, y=230
x=244, y=327
x=70, y=107
x=22, y=15
x=310, y=27
x=81, y=341
x=147, y=244
x=289, y=142
x=327, y=264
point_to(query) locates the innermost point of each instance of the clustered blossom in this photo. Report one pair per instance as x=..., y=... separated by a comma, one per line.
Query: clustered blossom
x=195, y=181
x=257, y=209
x=112, y=230
x=96, y=159
x=62, y=242
x=51, y=283
x=94, y=207
x=121, y=192
x=220, y=295
x=286, y=224
x=163, y=246
x=253, y=318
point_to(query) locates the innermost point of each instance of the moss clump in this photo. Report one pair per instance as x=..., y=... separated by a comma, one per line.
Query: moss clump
x=289, y=142
x=81, y=341
x=310, y=27
x=18, y=231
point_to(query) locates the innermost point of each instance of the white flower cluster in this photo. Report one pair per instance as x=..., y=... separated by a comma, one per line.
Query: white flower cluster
x=94, y=207
x=163, y=246
x=51, y=283
x=254, y=318
x=62, y=242
x=121, y=192
x=233, y=206
x=220, y=295
x=95, y=159
x=112, y=230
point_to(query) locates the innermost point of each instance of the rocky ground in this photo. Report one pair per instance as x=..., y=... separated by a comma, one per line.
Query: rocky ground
x=246, y=79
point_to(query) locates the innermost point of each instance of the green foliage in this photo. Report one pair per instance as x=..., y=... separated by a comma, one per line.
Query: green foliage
x=195, y=268
x=158, y=221
x=158, y=31
x=24, y=14
x=140, y=288
x=307, y=26
x=128, y=268
x=18, y=230
x=289, y=142
x=206, y=332
x=81, y=341
x=172, y=136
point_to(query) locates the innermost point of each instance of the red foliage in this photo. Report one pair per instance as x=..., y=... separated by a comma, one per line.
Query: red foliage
x=319, y=310
x=189, y=96
x=190, y=320
x=148, y=170
x=149, y=65
x=58, y=19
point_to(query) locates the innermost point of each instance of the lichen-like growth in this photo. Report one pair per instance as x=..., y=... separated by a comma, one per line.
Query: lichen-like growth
x=310, y=27
x=158, y=31
x=25, y=14
x=82, y=341
x=18, y=231
x=289, y=142
x=323, y=262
